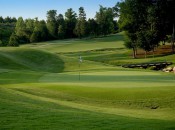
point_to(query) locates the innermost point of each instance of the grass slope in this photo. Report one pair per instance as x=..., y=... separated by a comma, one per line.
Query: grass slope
x=27, y=111
x=40, y=88
x=76, y=45
x=30, y=113
x=30, y=59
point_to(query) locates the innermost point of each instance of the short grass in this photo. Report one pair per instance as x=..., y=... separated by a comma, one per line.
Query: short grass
x=76, y=45
x=21, y=112
x=40, y=88
x=30, y=59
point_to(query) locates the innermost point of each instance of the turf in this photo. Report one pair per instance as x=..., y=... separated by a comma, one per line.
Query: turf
x=40, y=87
x=30, y=59
x=76, y=45
x=27, y=113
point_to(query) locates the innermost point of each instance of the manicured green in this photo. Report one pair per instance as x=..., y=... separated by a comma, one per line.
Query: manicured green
x=40, y=88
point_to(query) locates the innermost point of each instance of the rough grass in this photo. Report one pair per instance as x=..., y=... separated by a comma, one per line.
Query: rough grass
x=34, y=96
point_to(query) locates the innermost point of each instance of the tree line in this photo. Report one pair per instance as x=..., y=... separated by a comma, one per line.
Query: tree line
x=7, y=26
x=59, y=26
x=147, y=23
x=7, y=20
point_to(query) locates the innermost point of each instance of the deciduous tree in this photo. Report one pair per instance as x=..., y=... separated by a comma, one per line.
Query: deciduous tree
x=21, y=31
x=105, y=18
x=14, y=41
x=40, y=32
x=52, y=23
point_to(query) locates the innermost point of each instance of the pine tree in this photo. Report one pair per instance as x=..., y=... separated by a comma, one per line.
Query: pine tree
x=81, y=27
x=61, y=27
x=70, y=22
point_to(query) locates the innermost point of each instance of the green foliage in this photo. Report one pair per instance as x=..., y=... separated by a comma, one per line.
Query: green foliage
x=60, y=19
x=104, y=19
x=116, y=10
x=21, y=31
x=61, y=27
x=20, y=27
x=70, y=21
x=7, y=20
x=58, y=27
x=149, y=20
x=52, y=23
x=30, y=25
x=40, y=32
x=92, y=27
x=133, y=16
x=6, y=30
x=1, y=19
x=147, y=40
x=14, y=40
x=35, y=37
x=80, y=28
x=131, y=42
x=61, y=32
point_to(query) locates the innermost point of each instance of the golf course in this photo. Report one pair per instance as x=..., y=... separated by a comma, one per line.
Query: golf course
x=45, y=86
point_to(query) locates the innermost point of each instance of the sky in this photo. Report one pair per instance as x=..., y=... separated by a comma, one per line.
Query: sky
x=39, y=8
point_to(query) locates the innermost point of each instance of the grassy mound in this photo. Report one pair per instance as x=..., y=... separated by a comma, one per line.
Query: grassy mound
x=30, y=59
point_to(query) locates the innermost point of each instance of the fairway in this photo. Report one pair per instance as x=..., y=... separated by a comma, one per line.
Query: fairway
x=43, y=86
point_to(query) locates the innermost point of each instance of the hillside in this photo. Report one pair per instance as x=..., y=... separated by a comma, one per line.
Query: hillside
x=43, y=86
x=109, y=50
x=30, y=59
